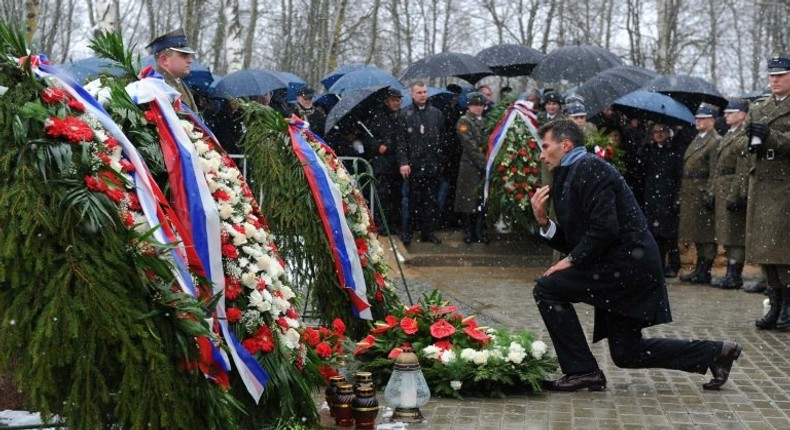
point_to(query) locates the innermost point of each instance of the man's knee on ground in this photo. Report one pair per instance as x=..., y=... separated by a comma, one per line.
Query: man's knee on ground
x=622, y=355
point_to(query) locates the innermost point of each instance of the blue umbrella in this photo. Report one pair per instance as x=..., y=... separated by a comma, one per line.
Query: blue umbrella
x=294, y=83
x=332, y=77
x=356, y=105
x=326, y=101
x=199, y=77
x=92, y=67
x=362, y=78
x=655, y=107
x=249, y=83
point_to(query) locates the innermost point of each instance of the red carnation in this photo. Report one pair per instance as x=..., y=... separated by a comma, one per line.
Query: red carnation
x=441, y=329
x=282, y=323
x=409, y=325
x=127, y=166
x=134, y=202
x=339, y=326
x=128, y=219
x=380, y=281
x=95, y=184
x=150, y=116
x=291, y=313
x=221, y=195
x=111, y=143
x=233, y=314
x=52, y=95
x=532, y=144
x=76, y=105
x=252, y=219
x=232, y=288
x=264, y=336
x=362, y=246
x=522, y=152
x=311, y=337
x=323, y=350
x=261, y=285
x=72, y=128
x=326, y=370
x=230, y=251
x=251, y=345
x=520, y=196
x=104, y=158
x=379, y=296
x=501, y=168
x=239, y=228
x=115, y=195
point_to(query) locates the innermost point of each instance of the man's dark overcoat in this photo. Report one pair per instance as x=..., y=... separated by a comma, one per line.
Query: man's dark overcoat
x=422, y=146
x=662, y=166
x=603, y=231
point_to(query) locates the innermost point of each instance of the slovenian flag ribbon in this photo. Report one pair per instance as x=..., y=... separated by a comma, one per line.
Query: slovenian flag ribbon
x=330, y=209
x=522, y=109
x=151, y=199
x=197, y=210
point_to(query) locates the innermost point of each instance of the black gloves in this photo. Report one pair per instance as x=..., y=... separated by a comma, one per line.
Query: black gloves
x=710, y=202
x=761, y=131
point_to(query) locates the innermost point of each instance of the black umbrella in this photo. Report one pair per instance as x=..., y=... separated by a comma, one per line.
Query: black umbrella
x=688, y=90
x=602, y=89
x=575, y=64
x=355, y=105
x=509, y=59
x=462, y=66
x=654, y=107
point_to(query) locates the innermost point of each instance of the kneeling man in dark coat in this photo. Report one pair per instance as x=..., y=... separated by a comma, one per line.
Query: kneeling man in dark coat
x=613, y=264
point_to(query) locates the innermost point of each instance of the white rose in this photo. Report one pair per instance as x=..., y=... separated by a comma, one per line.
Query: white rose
x=291, y=338
x=225, y=211
x=481, y=357
x=256, y=299
x=287, y=293
x=280, y=304
x=205, y=165
x=249, y=280
x=538, y=349
x=432, y=352
x=201, y=147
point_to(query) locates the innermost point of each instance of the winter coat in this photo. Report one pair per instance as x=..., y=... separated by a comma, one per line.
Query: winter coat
x=471, y=169
x=604, y=233
x=730, y=225
x=387, y=129
x=423, y=143
x=768, y=212
x=662, y=167
x=696, y=221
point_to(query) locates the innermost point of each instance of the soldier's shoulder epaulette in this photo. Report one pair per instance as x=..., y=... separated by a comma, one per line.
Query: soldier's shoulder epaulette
x=761, y=99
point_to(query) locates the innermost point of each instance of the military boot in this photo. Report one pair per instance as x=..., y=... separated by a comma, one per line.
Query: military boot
x=783, y=321
x=701, y=275
x=733, y=279
x=768, y=321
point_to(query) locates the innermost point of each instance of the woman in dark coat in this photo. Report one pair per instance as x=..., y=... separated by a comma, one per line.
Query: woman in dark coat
x=662, y=167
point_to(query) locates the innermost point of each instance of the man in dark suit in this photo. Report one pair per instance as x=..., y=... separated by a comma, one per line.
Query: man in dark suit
x=612, y=264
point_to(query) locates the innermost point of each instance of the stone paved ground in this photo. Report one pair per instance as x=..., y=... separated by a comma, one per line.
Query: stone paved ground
x=756, y=397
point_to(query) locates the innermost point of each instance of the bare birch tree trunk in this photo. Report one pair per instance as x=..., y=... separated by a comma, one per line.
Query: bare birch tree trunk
x=249, y=38
x=374, y=33
x=31, y=19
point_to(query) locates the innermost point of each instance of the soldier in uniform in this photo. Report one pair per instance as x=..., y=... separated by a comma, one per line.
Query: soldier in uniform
x=173, y=61
x=696, y=203
x=729, y=203
x=575, y=110
x=552, y=103
x=468, y=194
x=768, y=205
x=305, y=110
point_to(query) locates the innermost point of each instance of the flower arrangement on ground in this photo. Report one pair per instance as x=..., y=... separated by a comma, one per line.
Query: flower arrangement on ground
x=456, y=355
x=328, y=343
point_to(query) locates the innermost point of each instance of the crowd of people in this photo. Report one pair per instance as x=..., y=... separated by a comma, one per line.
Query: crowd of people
x=722, y=183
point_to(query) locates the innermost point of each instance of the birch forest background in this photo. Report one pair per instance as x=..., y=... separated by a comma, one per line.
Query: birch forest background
x=723, y=41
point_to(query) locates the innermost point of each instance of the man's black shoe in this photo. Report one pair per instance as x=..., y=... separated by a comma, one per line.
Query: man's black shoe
x=431, y=238
x=406, y=239
x=593, y=381
x=730, y=351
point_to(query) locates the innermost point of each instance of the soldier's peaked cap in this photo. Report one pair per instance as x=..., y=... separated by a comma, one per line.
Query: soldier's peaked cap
x=779, y=64
x=176, y=40
x=706, y=110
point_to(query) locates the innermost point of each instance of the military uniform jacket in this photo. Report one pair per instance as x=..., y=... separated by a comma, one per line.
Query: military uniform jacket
x=181, y=87
x=768, y=212
x=471, y=168
x=423, y=143
x=730, y=226
x=603, y=231
x=543, y=118
x=699, y=162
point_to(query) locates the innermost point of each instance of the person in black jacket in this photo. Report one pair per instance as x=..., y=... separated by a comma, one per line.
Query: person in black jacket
x=612, y=264
x=662, y=167
x=304, y=109
x=387, y=129
x=420, y=157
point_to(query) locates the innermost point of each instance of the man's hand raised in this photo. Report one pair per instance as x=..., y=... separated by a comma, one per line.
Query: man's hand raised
x=539, y=201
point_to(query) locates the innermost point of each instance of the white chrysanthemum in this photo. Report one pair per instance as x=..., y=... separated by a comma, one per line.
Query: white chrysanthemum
x=256, y=299
x=447, y=356
x=495, y=354
x=243, y=262
x=481, y=357
x=468, y=354
x=516, y=357
x=516, y=347
x=456, y=385
x=432, y=351
x=264, y=261
x=539, y=349
x=280, y=305
x=291, y=338
x=201, y=147
x=225, y=211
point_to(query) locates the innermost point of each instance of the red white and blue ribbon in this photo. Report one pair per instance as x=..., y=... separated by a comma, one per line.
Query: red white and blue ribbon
x=329, y=202
x=197, y=210
x=150, y=196
x=520, y=109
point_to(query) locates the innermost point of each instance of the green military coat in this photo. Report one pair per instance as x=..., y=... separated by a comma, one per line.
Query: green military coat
x=471, y=168
x=768, y=212
x=699, y=162
x=180, y=86
x=727, y=186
